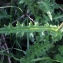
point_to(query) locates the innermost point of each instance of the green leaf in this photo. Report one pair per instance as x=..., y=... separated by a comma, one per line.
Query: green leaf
x=21, y=1
x=60, y=50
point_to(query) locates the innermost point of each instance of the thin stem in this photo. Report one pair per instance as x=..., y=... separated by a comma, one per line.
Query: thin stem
x=27, y=38
x=61, y=25
x=12, y=7
x=27, y=41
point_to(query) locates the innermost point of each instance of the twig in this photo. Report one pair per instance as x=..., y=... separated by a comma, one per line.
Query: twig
x=1, y=47
x=30, y=18
x=61, y=25
x=22, y=17
x=18, y=19
x=5, y=45
x=60, y=7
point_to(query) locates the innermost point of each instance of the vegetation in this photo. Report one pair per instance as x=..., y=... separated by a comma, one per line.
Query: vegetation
x=31, y=31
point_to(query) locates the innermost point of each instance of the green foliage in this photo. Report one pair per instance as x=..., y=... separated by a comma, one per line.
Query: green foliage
x=39, y=26
x=22, y=28
x=59, y=56
x=3, y=14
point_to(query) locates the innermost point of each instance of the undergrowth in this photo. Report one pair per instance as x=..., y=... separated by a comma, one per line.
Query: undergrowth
x=31, y=32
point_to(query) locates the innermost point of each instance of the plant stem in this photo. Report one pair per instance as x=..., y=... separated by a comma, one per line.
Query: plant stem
x=61, y=25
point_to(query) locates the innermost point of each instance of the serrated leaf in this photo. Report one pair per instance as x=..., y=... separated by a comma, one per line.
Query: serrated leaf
x=30, y=24
x=50, y=15
x=21, y=1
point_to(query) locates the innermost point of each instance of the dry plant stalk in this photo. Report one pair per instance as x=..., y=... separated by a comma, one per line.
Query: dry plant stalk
x=61, y=25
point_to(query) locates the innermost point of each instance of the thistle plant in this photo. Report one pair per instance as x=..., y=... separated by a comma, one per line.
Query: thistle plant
x=39, y=25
